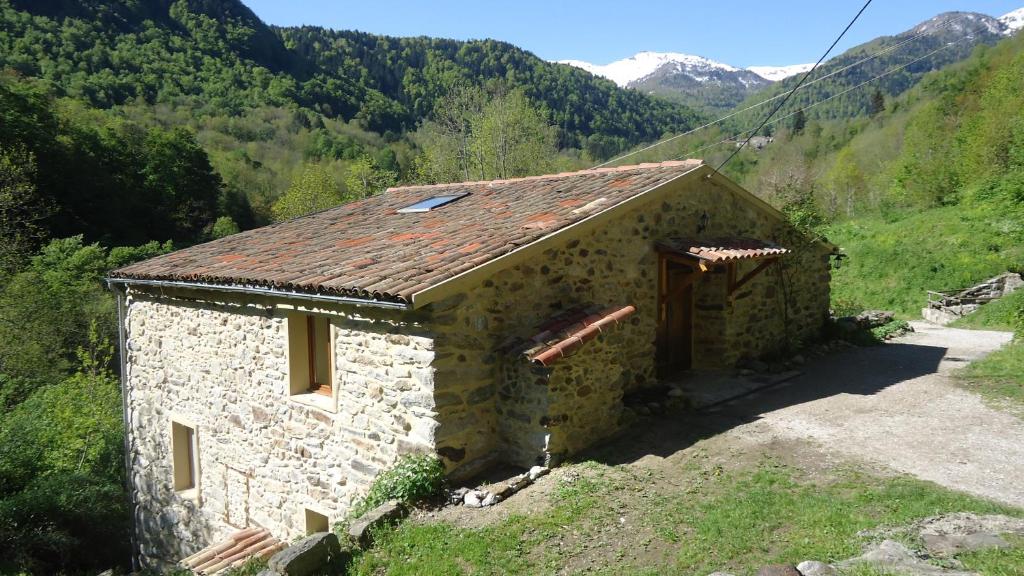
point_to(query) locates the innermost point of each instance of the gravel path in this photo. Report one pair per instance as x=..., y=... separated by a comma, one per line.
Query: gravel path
x=897, y=405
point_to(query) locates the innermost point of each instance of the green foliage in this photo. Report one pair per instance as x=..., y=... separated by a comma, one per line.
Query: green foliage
x=997, y=561
x=62, y=502
x=479, y=136
x=47, y=310
x=1003, y=314
x=251, y=567
x=21, y=209
x=85, y=172
x=224, y=226
x=413, y=479
x=365, y=178
x=313, y=191
x=890, y=329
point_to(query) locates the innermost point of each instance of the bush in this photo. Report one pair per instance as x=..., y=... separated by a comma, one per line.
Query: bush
x=411, y=480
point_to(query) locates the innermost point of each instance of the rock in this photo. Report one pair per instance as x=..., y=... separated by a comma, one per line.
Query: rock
x=456, y=496
x=490, y=499
x=537, y=472
x=520, y=482
x=778, y=570
x=847, y=324
x=655, y=407
x=798, y=360
x=874, y=318
x=720, y=574
x=675, y=393
x=891, y=556
x=473, y=499
x=815, y=568
x=643, y=410
x=311, y=555
x=360, y=529
x=746, y=372
x=953, y=544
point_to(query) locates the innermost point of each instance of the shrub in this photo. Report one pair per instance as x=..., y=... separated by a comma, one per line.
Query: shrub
x=413, y=479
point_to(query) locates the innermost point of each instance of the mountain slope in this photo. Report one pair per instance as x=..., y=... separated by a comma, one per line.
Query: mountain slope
x=1013, y=20
x=947, y=38
x=694, y=80
x=216, y=57
x=776, y=73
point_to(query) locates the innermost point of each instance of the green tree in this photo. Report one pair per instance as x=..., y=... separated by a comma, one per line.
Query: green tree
x=877, y=105
x=511, y=138
x=22, y=210
x=313, y=191
x=844, y=183
x=799, y=121
x=364, y=178
x=224, y=226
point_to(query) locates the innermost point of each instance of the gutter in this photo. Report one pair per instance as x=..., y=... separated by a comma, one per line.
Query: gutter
x=123, y=361
x=258, y=291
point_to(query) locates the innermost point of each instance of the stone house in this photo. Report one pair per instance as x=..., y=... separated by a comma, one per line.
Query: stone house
x=270, y=375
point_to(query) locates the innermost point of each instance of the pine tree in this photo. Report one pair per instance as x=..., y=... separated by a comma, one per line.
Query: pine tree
x=877, y=103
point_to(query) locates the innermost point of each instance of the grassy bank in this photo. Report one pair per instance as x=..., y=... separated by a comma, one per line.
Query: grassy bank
x=895, y=259
x=613, y=520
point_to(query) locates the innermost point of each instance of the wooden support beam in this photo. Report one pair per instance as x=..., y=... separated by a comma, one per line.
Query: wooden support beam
x=735, y=285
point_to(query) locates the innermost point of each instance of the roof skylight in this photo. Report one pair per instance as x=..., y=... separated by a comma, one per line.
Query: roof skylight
x=431, y=203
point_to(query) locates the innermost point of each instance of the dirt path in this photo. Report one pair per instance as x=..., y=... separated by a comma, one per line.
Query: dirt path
x=897, y=405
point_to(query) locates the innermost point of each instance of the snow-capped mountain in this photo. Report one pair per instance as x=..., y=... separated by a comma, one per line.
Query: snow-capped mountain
x=1013, y=21
x=642, y=64
x=776, y=73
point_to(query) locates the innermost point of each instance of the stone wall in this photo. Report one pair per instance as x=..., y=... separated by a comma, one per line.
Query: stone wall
x=264, y=456
x=614, y=264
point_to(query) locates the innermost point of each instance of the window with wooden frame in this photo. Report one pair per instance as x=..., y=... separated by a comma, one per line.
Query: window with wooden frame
x=185, y=460
x=309, y=351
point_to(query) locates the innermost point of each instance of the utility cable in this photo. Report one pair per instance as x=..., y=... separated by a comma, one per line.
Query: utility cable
x=797, y=87
x=838, y=94
x=944, y=24
x=868, y=58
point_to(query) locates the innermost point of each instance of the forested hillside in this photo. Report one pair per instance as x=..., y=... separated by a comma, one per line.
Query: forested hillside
x=926, y=194
x=938, y=42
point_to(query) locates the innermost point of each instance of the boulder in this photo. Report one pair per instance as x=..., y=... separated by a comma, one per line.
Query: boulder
x=815, y=568
x=953, y=544
x=311, y=555
x=874, y=318
x=778, y=570
x=360, y=529
x=892, y=556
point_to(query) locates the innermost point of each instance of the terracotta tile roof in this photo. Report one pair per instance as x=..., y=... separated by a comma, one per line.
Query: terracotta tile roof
x=365, y=249
x=234, y=551
x=722, y=249
x=564, y=334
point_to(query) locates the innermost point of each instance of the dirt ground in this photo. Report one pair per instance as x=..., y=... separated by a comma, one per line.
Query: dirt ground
x=884, y=409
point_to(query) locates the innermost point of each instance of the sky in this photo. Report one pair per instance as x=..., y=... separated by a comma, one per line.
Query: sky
x=738, y=32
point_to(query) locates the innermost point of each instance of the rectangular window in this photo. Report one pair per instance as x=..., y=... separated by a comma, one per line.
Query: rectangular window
x=316, y=522
x=309, y=352
x=432, y=203
x=184, y=451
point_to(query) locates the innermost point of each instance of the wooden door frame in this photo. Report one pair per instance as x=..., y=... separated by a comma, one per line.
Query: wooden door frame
x=663, y=298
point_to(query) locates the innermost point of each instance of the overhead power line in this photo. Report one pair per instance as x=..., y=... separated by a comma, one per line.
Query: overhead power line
x=895, y=69
x=795, y=88
x=882, y=52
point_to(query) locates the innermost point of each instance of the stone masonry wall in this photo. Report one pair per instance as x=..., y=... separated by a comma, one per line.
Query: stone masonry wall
x=615, y=264
x=263, y=456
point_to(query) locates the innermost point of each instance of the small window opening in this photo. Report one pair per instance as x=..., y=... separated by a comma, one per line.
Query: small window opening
x=316, y=522
x=432, y=203
x=319, y=352
x=183, y=449
x=309, y=342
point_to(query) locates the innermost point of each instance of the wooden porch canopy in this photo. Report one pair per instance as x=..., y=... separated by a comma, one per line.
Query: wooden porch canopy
x=712, y=253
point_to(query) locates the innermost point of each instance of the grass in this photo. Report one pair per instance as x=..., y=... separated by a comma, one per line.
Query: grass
x=999, y=377
x=731, y=521
x=997, y=562
x=896, y=258
x=997, y=315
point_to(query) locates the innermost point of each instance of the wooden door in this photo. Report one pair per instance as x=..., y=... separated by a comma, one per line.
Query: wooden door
x=675, y=346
